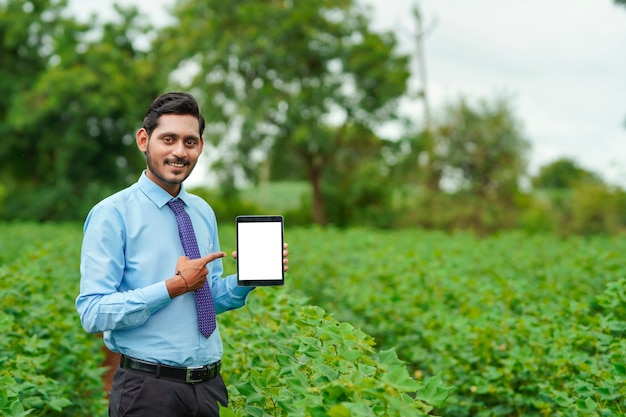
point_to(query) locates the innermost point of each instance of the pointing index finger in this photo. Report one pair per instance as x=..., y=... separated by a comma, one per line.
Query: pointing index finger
x=212, y=256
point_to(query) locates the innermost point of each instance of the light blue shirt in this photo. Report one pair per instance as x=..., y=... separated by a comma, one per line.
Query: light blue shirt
x=130, y=248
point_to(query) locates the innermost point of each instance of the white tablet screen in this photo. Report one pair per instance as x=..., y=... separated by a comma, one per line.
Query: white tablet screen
x=260, y=250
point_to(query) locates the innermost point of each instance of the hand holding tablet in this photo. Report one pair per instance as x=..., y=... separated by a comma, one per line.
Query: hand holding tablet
x=260, y=250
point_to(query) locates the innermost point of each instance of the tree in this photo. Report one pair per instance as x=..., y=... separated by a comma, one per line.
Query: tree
x=482, y=148
x=284, y=77
x=576, y=200
x=473, y=162
x=26, y=30
x=358, y=182
x=564, y=173
x=70, y=132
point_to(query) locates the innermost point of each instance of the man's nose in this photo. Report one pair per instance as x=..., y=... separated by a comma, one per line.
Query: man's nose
x=179, y=150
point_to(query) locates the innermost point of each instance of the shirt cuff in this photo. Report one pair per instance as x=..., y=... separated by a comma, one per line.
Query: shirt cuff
x=239, y=291
x=156, y=295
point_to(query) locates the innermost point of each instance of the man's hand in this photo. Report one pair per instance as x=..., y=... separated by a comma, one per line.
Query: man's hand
x=191, y=274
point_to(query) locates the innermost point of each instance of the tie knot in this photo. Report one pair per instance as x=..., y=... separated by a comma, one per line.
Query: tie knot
x=176, y=205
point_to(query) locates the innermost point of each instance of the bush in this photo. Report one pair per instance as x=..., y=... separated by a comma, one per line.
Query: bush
x=286, y=199
x=282, y=356
x=457, y=212
x=588, y=208
x=285, y=358
x=46, y=203
x=48, y=365
x=509, y=319
x=226, y=209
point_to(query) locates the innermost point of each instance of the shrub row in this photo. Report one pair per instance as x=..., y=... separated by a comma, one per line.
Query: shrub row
x=282, y=356
x=520, y=325
x=48, y=365
x=286, y=358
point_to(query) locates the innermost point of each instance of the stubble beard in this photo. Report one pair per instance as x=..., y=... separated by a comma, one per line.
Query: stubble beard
x=153, y=168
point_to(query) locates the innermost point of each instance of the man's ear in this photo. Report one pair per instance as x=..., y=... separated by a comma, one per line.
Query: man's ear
x=142, y=140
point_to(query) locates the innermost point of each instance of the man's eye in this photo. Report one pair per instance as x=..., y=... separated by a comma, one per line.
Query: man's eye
x=191, y=142
x=168, y=139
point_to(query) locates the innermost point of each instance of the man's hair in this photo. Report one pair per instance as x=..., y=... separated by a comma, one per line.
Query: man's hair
x=172, y=103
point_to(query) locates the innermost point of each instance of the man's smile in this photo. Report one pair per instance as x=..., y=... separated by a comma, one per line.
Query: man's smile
x=176, y=164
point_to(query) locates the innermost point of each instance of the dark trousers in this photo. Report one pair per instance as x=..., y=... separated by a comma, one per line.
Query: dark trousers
x=137, y=394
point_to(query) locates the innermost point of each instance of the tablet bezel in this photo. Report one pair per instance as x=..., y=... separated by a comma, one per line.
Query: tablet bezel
x=259, y=219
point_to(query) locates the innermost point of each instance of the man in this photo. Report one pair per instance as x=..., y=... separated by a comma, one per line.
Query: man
x=151, y=276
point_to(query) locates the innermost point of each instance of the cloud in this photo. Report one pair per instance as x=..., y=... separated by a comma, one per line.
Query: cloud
x=560, y=61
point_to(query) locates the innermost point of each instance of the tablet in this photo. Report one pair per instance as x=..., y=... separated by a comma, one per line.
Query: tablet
x=260, y=250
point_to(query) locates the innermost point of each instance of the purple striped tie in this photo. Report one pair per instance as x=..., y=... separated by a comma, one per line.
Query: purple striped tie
x=204, y=299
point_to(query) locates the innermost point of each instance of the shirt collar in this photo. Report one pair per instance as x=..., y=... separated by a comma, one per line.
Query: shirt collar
x=158, y=195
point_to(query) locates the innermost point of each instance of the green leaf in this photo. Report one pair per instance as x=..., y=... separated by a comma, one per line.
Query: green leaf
x=227, y=412
x=587, y=405
x=434, y=392
x=252, y=410
x=339, y=410
x=57, y=404
x=6, y=321
x=17, y=410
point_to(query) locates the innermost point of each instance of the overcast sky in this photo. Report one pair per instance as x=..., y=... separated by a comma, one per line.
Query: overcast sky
x=562, y=63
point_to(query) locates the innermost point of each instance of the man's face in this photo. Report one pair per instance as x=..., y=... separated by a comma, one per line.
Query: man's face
x=172, y=151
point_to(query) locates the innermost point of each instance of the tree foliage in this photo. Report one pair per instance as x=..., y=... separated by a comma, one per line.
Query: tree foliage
x=279, y=79
x=357, y=184
x=469, y=168
x=572, y=200
x=68, y=127
x=27, y=34
x=481, y=148
x=290, y=93
x=564, y=173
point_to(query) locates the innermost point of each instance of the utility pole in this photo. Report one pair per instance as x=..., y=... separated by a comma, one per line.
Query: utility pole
x=421, y=65
x=429, y=165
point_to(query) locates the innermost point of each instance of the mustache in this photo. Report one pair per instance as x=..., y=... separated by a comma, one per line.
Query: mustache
x=177, y=161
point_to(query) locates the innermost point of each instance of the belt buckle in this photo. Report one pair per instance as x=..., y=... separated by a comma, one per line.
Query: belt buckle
x=189, y=375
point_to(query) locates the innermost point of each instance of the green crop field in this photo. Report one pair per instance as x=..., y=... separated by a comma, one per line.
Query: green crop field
x=369, y=323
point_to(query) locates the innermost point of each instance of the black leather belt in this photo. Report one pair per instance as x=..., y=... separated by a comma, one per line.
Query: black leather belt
x=188, y=375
